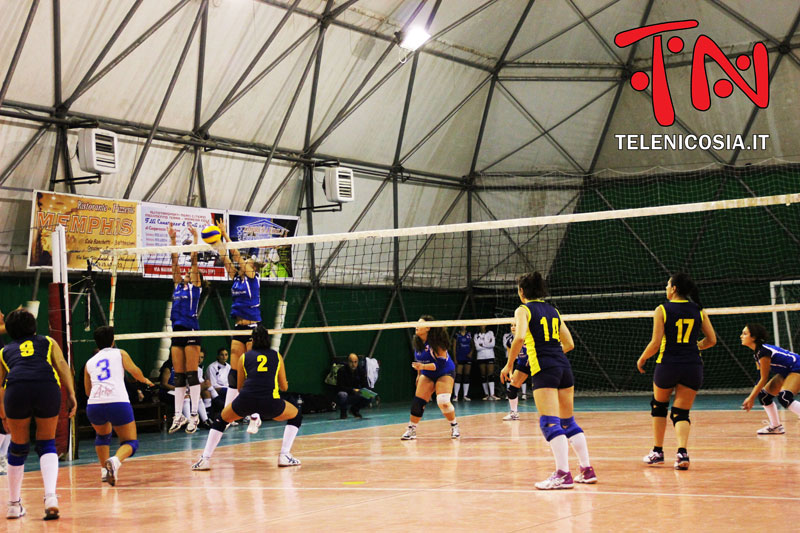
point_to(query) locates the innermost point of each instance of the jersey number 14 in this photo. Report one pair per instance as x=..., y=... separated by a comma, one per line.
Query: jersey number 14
x=556, y=329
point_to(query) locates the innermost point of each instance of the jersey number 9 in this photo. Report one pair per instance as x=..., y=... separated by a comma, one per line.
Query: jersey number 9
x=556, y=329
x=26, y=349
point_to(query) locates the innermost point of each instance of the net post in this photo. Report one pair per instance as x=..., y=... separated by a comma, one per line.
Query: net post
x=280, y=317
x=113, y=298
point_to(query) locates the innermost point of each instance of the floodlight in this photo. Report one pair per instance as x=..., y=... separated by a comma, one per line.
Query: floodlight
x=415, y=37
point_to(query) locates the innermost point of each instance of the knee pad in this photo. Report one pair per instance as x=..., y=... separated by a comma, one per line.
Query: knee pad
x=46, y=446
x=443, y=400
x=571, y=428
x=679, y=415
x=102, y=440
x=134, y=444
x=17, y=453
x=785, y=398
x=459, y=378
x=192, y=378
x=659, y=409
x=765, y=398
x=180, y=379
x=417, y=406
x=233, y=378
x=551, y=427
x=219, y=424
x=296, y=421
x=512, y=392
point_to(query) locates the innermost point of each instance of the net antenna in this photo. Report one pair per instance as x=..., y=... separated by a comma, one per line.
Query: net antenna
x=60, y=331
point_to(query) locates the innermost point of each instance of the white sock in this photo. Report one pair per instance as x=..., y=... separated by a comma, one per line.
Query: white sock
x=49, y=466
x=560, y=449
x=214, y=437
x=466, y=390
x=5, y=440
x=289, y=433
x=186, y=407
x=795, y=407
x=15, y=474
x=512, y=404
x=772, y=414
x=180, y=394
x=491, y=388
x=524, y=388
x=194, y=398
x=255, y=416
x=578, y=442
x=454, y=422
x=213, y=393
x=201, y=410
x=231, y=395
x=485, y=388
x=207, y=402
x=456, y=388
x=412, y=425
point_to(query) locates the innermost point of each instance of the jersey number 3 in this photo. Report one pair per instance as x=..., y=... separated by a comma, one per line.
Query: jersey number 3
x=262, y=363
x=556, y=330
x=689, y=323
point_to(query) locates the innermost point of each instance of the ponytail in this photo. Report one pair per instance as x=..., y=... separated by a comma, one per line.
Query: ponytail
x=686, y=288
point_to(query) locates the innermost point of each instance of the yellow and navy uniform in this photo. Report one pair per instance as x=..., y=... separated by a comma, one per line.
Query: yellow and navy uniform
x=543, y=340
x=260, y=393
x=29, y=359
x=682, y=327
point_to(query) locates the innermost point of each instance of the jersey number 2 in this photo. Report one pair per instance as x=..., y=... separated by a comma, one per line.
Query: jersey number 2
x=262, y=363
x=689, y=323
x=556, y=332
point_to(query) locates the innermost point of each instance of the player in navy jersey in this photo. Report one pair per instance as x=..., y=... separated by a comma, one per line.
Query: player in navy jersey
x=185, y=350
x=785, y=382
x=464, y=350
x=261, y=377
x=436, y=374
x=246, y=314
x=5, y=438
x=676, y=339
x=538, y=326
x=32, y=372
x=522, y=371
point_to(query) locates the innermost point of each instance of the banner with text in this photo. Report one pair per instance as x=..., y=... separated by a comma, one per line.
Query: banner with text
x=276, y=262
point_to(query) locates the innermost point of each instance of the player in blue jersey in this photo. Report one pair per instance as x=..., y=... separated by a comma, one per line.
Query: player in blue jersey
x=538, y=327
x=32, y=372
x=261, y=377
x=464, y=350
x=246, y=314
x=785, y=382
x=522, y=371
x=5, y=438
x=676, y=339
x=185, y=350
x=436, y=374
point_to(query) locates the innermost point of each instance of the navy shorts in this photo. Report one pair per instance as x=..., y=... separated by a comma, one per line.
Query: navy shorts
x=181, y=342
x=244, y=339
x=448, y=369
x=555, y=377
x=667, y=376
x=118, y=413
x=25, y=399
x=246, y=404
x=523, y=367
x=464, y=361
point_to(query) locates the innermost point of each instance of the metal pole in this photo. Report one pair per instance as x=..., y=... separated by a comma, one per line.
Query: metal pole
x=22, y=153
x=154, y=188
x=18, y=51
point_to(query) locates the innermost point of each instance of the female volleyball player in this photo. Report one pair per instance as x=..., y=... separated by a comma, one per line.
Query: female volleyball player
x=539, y=327
x=246, y=314
x=463, y=349
x=33, y=371
x=260, y=376
x=522, y=371
x=108, y=405
x=784, y=384
x=436, y=373
x=185, y=350
x=679, y=367
x=484, y=343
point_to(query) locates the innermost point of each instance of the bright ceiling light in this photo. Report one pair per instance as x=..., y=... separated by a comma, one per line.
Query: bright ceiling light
x=414, y=38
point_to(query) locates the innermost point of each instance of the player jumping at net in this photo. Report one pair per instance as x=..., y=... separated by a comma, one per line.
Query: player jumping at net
x=784, y=384
x=261, y=377
x=246, y=314
x=436, y=373
x=538, y=326
x=676, y=328
x=185, y=350
x=108, y=405
x=33, y=371
x=522, y=370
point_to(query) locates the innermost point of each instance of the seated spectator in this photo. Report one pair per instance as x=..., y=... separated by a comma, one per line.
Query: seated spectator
x=350, y=380
x=217, y=377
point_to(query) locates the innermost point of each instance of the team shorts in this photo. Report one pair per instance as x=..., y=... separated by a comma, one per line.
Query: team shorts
x=182, y=342
x=25, y=399
x=522, y=366
x=448, y=369
x=668, y=375
x=118, y=413
x=249, y=328
x=554, y=377
x=268, y=408
x=464, y=360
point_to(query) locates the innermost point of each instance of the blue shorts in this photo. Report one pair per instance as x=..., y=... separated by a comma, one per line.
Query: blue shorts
x=463, y=360
x=268, y=408
x=554, y=377
x=522, y=366
x=118, y=413
x=25, y=399
x=248, y=336
x=668, y=375
x=181, y=342
x=448, y=369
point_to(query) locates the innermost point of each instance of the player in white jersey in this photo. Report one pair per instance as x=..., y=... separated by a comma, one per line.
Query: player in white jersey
x=108, y=405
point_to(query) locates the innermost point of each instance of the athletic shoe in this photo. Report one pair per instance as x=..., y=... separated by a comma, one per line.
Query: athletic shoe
x=467, y=399
x=287, y=459
x=103, y=475
x=682, y=461
x=15, y=510
x=523, y=397
x=410, y=434
x=587, y=476
x=50, y=507
x=205, y=424
x=559, y=480
x=112, y=469
x=202, y=464
x=191, y=425
x=253, y=426
x=3, y=465
x=178, y=421
x=493, y=398
x=454, y=432
x=512, y=415
x=486, y=398
x=770, y=430
x=454, y=399
x=654, y=458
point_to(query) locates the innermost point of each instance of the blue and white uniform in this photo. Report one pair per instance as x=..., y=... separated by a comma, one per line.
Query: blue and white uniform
x=782, y=362
x=521, y=363
x=108, y=401
x=463, y=347
x=246, y=296
x=32, y=387
x=444, y=366
x=185, y=301
x=679, y=361
x=549, y=367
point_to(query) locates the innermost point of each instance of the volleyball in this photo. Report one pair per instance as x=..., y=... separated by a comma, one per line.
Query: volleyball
x=211, y=234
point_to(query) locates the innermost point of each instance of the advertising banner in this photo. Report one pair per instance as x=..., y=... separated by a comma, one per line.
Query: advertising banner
x=276, y=262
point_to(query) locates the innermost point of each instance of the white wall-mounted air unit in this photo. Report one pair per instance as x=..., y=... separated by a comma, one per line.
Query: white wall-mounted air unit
x=339, y=184
x=97, y=151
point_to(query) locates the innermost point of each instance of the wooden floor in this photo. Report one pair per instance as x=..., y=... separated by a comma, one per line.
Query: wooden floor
x=369, y=480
